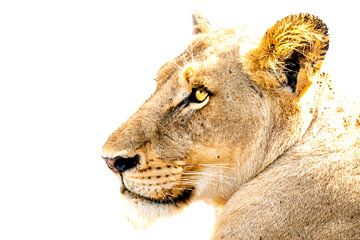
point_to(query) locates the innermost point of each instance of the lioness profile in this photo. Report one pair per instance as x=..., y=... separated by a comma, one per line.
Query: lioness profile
x=261, y=134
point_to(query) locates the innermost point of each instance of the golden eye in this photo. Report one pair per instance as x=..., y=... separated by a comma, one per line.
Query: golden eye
x=201, y=95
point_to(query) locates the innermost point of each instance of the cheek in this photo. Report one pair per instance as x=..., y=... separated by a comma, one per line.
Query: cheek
x=172, y=140
x=177, y=136
x=235, y=121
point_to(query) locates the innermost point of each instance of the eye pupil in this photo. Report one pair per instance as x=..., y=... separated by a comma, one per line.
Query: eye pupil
x=201, y=95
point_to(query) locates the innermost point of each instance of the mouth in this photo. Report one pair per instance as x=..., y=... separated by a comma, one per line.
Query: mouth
x=183, y=197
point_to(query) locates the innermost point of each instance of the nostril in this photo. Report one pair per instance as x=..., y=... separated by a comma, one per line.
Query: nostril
x=122, y=163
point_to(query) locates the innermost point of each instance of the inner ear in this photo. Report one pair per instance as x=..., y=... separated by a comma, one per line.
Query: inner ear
x=292, y=68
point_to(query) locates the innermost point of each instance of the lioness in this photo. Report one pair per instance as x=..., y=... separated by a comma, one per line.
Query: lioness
x=261, y=134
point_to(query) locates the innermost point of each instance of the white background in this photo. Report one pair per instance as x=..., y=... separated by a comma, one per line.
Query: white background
x=71, y=71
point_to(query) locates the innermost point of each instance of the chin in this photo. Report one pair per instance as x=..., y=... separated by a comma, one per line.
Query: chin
x=142, y=212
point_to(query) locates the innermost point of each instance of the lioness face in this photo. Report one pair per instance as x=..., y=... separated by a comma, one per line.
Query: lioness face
x=181, y=143
x=207, y=129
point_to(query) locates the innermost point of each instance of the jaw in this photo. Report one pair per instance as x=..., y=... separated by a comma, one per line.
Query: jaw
x=143, y=211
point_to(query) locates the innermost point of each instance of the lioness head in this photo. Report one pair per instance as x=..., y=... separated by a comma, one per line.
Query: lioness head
x=218, y=117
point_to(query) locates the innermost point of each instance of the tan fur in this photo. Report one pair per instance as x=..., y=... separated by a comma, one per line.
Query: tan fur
x=280, y=162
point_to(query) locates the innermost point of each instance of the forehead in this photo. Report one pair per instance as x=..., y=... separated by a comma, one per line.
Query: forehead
x=206, y=51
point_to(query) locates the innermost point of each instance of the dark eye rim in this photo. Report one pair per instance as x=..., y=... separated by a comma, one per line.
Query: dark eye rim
x=192, y=99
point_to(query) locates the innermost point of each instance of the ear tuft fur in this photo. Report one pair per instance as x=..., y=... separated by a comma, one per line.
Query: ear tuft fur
x=289, y=45
x=200, y=24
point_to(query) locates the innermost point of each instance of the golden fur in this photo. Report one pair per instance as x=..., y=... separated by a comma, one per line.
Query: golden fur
x=273, y=146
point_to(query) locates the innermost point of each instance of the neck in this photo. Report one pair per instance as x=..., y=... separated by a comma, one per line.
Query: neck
x=306, y=114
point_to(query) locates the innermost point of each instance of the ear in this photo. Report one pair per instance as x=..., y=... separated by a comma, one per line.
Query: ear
x=200, y=24
x=289, y=52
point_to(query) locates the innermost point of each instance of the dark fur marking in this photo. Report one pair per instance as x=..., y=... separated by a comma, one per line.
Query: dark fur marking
x=184, y=196
x=256, y=90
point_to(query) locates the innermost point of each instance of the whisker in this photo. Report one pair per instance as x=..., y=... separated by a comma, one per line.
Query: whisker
x=209, y=174
x=209, y=166
x=176, y=64
x=187, y=181
x=183, y=60
x=190, y=52
x=222, y=179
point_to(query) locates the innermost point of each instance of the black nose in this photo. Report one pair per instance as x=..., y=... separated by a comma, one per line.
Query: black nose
x=123, y=164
